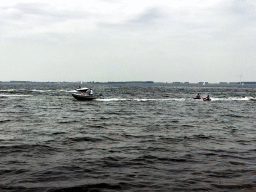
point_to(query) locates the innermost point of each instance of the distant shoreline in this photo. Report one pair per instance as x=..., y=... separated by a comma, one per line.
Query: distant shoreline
x=132, y=82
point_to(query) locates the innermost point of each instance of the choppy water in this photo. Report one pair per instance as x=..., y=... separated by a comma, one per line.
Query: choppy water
x=138, y=138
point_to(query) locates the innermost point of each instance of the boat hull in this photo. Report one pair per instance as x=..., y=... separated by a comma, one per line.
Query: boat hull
x=83, y=97
x=207, y=99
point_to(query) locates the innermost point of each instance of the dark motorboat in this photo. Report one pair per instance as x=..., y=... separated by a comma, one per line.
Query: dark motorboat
x=83, y=97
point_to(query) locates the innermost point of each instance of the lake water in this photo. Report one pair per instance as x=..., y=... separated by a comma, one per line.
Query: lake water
x=138, y=138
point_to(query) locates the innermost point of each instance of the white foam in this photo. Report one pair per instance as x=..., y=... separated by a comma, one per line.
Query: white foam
x=142, y=100
x=8, y=90
x=42, y=91
x=15, y=95
x=113, y=99
x=170, y=99
x=72, y=91
x=232, y=99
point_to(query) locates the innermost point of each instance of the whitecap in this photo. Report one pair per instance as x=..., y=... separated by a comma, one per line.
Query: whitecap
x=16, y=95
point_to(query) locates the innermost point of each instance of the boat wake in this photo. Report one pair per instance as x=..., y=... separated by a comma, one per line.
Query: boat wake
x=142, y=99
x=178, y=99
x=233, y=99
x=3, y=95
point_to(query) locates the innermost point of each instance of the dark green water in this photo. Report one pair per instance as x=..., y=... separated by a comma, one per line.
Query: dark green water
x=138, y=138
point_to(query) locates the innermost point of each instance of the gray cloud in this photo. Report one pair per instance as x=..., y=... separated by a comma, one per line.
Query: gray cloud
x=149, y=16
x=158, y=43
x=31, y=8
x=42, y=13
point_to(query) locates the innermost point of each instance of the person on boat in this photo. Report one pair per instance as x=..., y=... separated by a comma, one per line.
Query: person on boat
x=207, y=98
x=91, y=92
x=198, y=96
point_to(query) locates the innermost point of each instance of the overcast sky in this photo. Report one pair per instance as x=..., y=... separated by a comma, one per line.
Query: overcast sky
x=127, y=40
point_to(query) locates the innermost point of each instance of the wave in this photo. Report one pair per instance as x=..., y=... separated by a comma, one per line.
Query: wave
x=7, y=90
x=15, y=95
x=7, y=137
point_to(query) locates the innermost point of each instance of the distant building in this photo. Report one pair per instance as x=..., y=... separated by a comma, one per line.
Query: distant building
x=201, y=83
x=223, y=83
x=249, y=83
x=19, y=81
x=186, y=83
x=129, y=82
